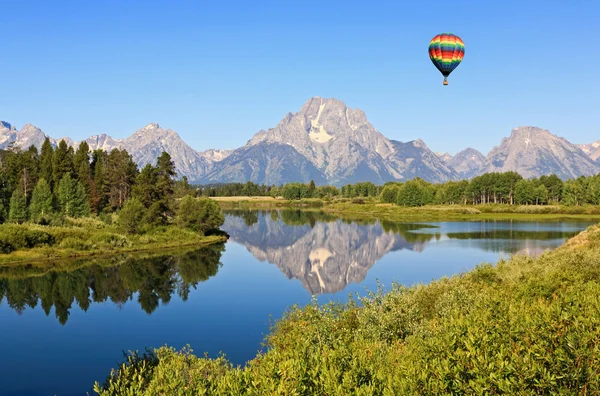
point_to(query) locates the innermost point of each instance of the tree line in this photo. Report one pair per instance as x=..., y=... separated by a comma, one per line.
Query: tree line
x=53, y=183
x=496, y=187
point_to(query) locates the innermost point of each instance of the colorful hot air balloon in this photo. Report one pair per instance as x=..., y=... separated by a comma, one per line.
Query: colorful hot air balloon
x=446, y=51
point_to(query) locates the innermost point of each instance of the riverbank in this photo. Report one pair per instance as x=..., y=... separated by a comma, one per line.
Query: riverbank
x=88, y=237
x=368, y=208
x=522, y=325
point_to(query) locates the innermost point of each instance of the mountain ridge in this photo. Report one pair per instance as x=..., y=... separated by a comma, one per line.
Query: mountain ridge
x=329, y=143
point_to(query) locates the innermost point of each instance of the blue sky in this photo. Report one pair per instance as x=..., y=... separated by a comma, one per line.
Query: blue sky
x=218, y=71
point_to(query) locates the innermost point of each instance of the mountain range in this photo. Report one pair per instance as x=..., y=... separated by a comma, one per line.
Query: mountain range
x=332, y=144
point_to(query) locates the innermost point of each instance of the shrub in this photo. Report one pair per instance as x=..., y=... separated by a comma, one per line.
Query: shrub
x=131, y=215
x=6, y=247
x=199, y=214
x=75, y=244
x=20, y=237
x=111, y=240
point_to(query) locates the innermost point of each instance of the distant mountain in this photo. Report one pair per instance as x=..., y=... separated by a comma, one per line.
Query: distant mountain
x=446, y=157
x=533, y=152
x=467, y=162
x=339, y=143
x=145, y=145
x=592, y=150
x=332, y=144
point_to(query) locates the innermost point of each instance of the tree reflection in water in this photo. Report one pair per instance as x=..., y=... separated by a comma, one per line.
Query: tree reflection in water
x=155, y=278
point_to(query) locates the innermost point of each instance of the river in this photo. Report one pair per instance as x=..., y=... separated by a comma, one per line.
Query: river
x=65, y=325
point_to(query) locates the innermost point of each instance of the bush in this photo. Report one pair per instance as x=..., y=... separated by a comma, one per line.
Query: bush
x=111, y=240
x=131, y=215
x=199, y=214
x=20, y=237
x=524, y=326
x=75, y=244
x=6, y=247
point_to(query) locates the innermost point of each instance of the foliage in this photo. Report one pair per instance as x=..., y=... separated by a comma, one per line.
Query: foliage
x=42, y=202
x=524, y=326
x=72, y=197
x=131, y=215
x=18, y=207
x=199, y=214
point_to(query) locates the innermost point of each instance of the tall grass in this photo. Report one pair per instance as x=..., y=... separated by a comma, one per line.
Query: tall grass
x=524, y=326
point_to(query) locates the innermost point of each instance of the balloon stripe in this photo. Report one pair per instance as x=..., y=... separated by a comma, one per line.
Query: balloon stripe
x=446, y=51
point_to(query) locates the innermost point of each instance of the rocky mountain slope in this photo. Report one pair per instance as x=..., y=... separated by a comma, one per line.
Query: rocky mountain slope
x=339, y=142
x=330, y=143
x=533, y=152
x=467, y=162
x=592, y=150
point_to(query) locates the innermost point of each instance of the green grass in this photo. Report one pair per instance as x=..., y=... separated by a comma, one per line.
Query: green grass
x=526, y=326
x=88, y=237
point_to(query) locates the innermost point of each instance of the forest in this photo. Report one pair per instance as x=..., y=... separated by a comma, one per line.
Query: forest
x=498, y=188
x=96, y=200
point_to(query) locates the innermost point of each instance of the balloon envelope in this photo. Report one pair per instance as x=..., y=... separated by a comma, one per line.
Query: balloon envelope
x=446, y=51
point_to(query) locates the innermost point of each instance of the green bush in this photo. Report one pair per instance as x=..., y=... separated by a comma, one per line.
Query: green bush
x=75, y=244
x=20, y=237
x=131, y=215
x=111, y=240
x=199, y=214
x=6, y=247
x=523, y=326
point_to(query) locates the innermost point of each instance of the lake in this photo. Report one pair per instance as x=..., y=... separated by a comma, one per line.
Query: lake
x=65, y=325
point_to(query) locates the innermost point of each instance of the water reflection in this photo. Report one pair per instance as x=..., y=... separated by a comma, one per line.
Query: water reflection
x=326, y=253
x=121, y=278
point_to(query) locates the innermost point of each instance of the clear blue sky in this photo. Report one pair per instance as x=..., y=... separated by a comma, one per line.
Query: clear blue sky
x=218, y=71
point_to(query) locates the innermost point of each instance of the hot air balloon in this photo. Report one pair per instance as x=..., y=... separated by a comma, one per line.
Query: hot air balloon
x=446, y=51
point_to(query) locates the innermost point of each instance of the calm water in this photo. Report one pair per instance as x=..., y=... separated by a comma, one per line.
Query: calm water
x=64, y=326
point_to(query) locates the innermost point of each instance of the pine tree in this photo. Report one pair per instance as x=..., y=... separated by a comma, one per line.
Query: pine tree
x=166, y=175
x=62, y=162
x=41, y=201
x=120, y=176
x=71, y=197
x=311, y=189
x=146, y=189
x=18, y=207
x=46, y=161
x=81, y=163
x=30, y=168
x=99, y=186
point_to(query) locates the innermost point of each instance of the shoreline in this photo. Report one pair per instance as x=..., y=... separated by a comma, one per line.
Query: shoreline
x=392, y=212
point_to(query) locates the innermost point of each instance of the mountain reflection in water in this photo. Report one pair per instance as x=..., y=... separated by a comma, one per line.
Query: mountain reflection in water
x=326, y=253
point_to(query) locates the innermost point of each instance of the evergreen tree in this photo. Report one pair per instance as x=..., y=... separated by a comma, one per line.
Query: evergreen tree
x=30, y=168
x=46, y=161
x=99, y=187
x=71, y=197
x=120, y=176
x=146, y=186
x=62, y=162
x=166, y=175
x=182, y=188
x=18, y=207
x=81, y=164
x=311, y=189
x=41, y=201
